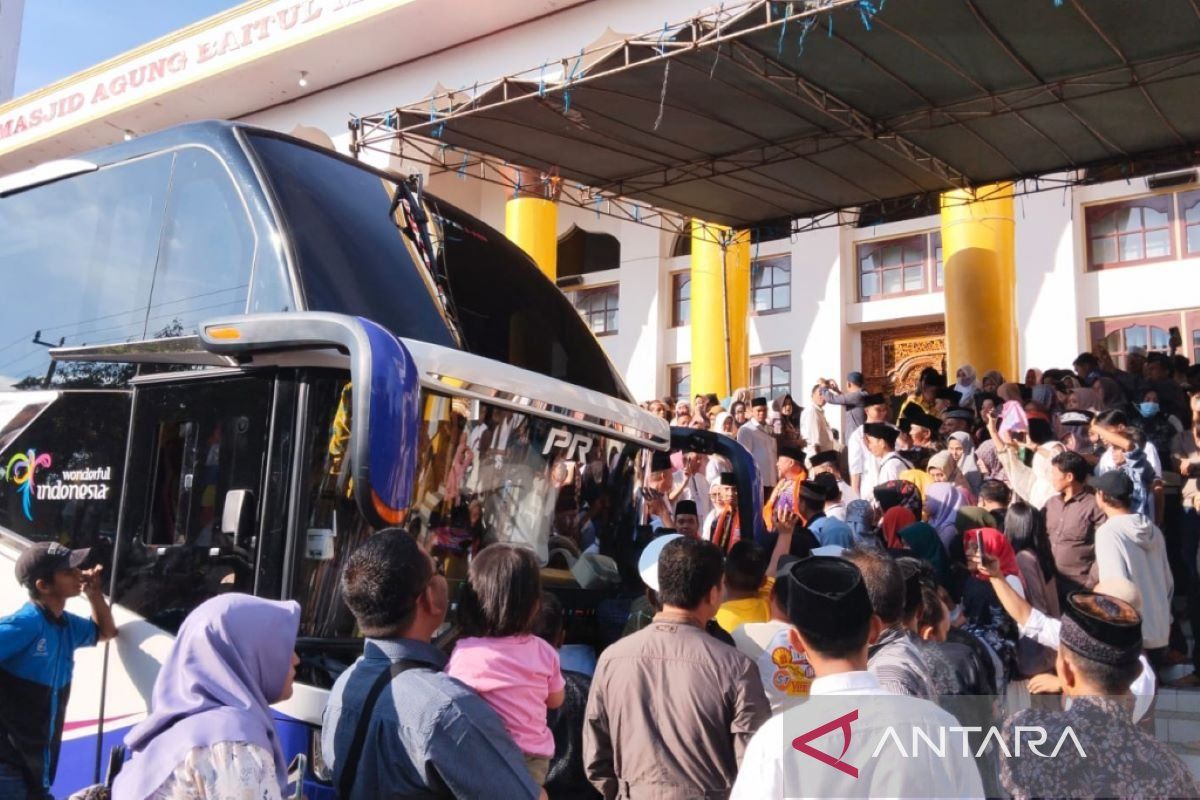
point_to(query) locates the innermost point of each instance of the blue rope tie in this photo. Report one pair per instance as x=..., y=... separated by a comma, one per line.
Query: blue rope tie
x=787, y=12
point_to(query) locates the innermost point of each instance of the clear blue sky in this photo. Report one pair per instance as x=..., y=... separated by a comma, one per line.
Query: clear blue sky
x=61, y=37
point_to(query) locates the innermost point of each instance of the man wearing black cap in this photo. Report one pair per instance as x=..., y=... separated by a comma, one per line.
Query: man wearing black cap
x=37, y=647
x=828, y=464
x=926, y=394
x=859, y=459
x=853, y=399
x=1101, y=640
x=756, y=437
x=881, y=442
x=1130, y=546
x=687, y=518
x=790, y=472
x=836, y=744
x=656, y=501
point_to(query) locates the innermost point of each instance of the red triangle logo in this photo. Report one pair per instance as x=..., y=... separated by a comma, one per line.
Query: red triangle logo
x=843, y=722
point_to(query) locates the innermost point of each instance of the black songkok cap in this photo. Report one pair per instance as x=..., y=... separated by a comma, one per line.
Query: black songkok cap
x=1102, y=628
x=825, y=595
x=953, y=395
x=824, y=457
x=759, y=401
x=660, y=461
x=728, y=479
x=813, y=492
x=790, y=450
x=881, y=430
x=915, y=415
x=874, y=400
x=686, y=507
x=829, y=483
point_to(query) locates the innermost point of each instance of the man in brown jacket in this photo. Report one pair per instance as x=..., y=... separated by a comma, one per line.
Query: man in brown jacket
x=1072, y=519
x=671, y=708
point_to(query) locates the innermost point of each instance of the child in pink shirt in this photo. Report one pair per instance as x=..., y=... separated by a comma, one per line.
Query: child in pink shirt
x=515, y=672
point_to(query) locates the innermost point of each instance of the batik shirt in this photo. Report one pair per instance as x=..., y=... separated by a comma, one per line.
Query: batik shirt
x=1121, y=759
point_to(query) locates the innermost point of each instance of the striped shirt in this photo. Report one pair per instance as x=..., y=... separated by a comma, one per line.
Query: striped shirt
x=897, y=663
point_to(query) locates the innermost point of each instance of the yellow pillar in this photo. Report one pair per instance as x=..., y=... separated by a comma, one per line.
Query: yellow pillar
x=720, y=299
x=737, y=301
x=980, y=280
x=531, y=218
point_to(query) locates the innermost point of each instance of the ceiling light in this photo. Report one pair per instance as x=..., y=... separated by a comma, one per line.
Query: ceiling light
x=129, y=135
x=303, y=79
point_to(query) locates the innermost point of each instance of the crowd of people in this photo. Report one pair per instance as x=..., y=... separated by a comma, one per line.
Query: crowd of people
x=975, y=556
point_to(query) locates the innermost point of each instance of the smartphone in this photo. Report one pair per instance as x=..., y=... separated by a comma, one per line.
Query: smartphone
x=971, y=544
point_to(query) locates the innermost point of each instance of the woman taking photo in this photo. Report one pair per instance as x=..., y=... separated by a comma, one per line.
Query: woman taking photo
x=210, y=733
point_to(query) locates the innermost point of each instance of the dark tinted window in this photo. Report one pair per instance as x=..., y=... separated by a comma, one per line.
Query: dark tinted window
x=192, y=444
x=78, y=259
x=510, y=312
x=60, y=465
x=207, y=249
x=351, y=256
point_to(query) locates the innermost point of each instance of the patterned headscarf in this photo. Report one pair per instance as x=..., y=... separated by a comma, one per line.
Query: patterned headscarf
x=899, y=493
x=860, y=518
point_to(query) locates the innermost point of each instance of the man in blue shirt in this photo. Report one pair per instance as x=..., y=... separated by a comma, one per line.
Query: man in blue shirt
x=37, y=655
x=427, y=735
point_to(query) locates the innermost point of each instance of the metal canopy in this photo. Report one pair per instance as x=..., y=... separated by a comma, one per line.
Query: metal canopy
x=771, y=110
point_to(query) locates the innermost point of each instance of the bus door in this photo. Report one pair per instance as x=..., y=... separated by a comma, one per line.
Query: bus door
x=190, y=525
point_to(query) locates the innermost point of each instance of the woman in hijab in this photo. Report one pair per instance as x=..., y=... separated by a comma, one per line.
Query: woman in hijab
x=962, y=450
x=966, y=384
x=918, y=478
x=894, y=520
x=942, y=468
x=942, y=503
x=991, y=381
x=923, y=541
x=861, y=519
x=789, y=419
x=210, y=732
x=899, y=493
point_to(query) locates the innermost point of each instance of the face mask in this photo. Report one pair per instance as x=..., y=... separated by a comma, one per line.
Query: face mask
x=1148, y=409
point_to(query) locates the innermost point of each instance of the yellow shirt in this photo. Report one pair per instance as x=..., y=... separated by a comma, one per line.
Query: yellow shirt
x=734, y=613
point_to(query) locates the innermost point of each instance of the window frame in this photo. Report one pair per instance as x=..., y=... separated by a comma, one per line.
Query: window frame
x=678, y=377
x=785, y=262
x=1093, y=211
x=615, y=309
x=930, y=240
x=768, y=360
x=681, y=280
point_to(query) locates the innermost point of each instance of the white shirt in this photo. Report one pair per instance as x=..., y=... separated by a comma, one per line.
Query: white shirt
x=694, y=488
x=774, y=768
x=861, y=463
x=815, y=429
x=784, y=671
x=890, y=467
x=1047, y=632
x=761, y=445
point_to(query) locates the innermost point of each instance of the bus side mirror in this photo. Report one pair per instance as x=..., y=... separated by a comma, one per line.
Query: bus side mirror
x=237, y=517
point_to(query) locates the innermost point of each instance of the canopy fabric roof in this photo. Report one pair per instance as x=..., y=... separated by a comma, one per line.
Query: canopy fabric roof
x=782, y=110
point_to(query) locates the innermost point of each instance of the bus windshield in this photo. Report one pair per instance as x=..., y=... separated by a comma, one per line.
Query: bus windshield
x=353, y=259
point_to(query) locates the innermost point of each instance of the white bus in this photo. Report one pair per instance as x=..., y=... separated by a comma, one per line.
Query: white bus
x=227, y=357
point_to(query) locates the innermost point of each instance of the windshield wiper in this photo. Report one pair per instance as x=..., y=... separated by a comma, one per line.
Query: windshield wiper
x=407, y=196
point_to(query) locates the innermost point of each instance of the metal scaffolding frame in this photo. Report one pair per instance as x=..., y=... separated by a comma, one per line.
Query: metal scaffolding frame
x=412, y=131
